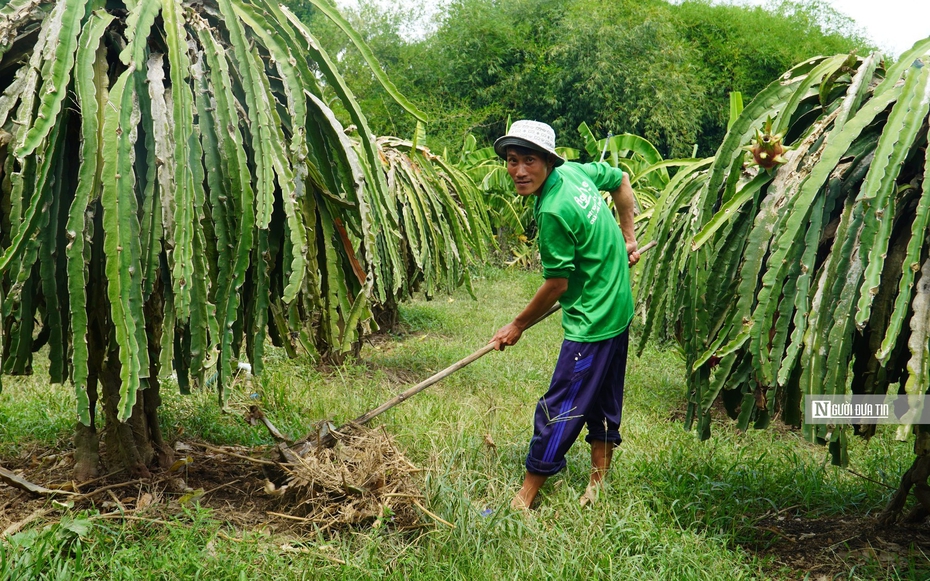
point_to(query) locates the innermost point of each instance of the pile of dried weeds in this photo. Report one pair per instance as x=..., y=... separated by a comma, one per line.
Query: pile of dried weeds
x=364, y=480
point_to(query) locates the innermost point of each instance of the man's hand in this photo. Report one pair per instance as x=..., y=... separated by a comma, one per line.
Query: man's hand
x=506, y=336
x=632, y=252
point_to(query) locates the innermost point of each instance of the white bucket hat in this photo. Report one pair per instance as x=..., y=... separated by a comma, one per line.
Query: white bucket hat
x=530, y=134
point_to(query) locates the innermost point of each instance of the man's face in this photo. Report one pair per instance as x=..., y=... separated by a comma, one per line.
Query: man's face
x=529, y=172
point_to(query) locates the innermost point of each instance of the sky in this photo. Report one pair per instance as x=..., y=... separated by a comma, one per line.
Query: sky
x=893, y=25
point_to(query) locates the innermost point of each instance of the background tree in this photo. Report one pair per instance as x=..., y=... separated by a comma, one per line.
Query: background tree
x=742, y=48
x=626, y=71
x=175, y=188
x=659, y=70
x=809, y=273
x=385, y=29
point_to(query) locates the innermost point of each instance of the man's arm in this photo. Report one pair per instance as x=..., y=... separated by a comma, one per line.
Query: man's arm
x=545, y=297
x=625, y=205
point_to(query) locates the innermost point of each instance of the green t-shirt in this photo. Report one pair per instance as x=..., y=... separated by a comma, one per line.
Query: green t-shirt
x=579, y=239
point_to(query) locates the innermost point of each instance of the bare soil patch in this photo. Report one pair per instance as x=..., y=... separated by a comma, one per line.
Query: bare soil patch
x=823, y=548
x=232, y=487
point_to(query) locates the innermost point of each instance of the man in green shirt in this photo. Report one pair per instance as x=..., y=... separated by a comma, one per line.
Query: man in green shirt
x=586, y=258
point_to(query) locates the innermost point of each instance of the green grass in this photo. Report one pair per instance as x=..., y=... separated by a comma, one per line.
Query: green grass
x=675, y=508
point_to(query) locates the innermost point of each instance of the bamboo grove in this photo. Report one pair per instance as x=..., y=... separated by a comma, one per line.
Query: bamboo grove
x=176, y=188
x=812, y=277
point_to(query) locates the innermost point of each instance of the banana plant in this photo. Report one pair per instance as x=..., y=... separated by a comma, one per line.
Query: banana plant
x=648, y=170
x=173, y=189
x=795, y=261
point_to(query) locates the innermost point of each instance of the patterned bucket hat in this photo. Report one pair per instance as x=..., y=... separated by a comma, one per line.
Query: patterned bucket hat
x=531, y=134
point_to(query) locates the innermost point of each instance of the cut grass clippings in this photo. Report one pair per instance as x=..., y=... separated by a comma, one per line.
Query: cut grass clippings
x=754, y=505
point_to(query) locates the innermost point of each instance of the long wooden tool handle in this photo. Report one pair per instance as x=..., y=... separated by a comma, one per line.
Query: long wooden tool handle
x=364, y=418
x=400, y=398
x=648, y=246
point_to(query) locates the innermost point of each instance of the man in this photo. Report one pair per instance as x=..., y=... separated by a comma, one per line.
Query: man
x=586, y=259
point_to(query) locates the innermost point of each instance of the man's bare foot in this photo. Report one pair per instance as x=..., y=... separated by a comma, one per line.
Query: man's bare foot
x=519, y=503
x=591, y=494
x=527, y=493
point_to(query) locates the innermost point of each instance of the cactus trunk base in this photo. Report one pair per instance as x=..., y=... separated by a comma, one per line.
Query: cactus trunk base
x=86, y=453
x=136, y=445
x=128, y=444
x=918, y=478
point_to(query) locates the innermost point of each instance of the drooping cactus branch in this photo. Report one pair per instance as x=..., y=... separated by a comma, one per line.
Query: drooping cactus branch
x=174, y=189
x=806, y=274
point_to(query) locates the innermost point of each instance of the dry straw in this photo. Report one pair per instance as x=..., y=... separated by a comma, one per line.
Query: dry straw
x=362, y=480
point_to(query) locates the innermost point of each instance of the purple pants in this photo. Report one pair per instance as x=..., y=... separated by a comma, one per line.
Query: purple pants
x=586, y=388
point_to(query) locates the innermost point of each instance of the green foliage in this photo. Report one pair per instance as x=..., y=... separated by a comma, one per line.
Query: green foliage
x=660, y=70
x=175, y=187
x=382, y=27
x=742, y=48
x=626, y=71
x=649, y=173
x=803, y=280
x=55, y=551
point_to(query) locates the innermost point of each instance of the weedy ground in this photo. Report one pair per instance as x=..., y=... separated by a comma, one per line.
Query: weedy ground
x=754, y=505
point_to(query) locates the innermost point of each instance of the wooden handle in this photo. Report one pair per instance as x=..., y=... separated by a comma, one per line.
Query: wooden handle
x=648, y=246
x=364, y=418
